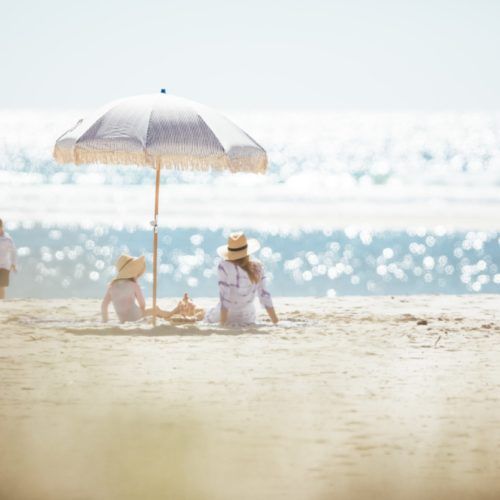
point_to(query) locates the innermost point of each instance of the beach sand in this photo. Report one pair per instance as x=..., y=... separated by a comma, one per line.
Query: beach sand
x=351, y=397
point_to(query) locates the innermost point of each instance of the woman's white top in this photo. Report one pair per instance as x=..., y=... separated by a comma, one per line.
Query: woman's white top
x=123, y=294
x=237, y=294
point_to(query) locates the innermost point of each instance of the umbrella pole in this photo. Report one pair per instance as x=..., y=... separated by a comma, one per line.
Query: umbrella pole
x=155, y=239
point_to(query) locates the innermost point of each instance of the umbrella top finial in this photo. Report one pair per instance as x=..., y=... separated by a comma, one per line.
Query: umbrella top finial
x=163, y=91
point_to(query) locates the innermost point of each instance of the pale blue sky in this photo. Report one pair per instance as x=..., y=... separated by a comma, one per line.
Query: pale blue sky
x=343, y=54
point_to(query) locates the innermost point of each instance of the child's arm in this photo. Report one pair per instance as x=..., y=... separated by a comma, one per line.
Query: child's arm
x=105, y=304
x=140, y=298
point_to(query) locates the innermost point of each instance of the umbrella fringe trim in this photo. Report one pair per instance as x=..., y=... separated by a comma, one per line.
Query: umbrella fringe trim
x=255, y=163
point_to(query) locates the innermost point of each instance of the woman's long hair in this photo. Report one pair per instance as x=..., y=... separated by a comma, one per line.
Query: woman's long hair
x=251, y=267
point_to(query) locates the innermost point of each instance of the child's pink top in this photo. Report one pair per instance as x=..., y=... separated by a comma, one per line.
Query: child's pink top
x=123, y=294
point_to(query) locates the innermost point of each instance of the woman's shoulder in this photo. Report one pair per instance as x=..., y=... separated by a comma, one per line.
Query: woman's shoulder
x=225, y=266
x=257, y=264
x=260, y=269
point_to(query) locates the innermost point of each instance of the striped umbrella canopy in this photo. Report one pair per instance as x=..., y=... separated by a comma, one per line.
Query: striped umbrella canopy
x=160, y=131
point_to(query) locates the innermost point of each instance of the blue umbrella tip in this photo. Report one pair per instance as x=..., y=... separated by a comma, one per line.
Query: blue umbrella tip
x=163, y=91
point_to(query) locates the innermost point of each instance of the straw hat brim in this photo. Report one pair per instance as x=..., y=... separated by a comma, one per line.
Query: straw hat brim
x=132, y=269
x=252, y=246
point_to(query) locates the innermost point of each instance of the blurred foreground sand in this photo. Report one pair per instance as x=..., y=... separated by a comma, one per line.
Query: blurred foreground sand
x=347, y=398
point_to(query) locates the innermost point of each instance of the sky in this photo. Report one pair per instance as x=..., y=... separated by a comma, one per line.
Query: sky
x=274, y=54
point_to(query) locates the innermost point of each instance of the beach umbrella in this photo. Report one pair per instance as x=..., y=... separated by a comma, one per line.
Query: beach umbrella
x=160, y=131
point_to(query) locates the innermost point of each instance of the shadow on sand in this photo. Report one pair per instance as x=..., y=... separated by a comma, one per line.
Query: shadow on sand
x=165, y=330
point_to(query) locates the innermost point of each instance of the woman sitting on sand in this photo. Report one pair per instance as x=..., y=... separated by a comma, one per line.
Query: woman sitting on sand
x=128, y=301
x=240, y=280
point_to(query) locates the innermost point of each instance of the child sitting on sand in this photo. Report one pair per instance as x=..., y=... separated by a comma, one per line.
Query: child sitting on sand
x=128, y=301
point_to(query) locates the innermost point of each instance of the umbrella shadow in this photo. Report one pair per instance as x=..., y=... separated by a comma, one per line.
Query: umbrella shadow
x=165, y=330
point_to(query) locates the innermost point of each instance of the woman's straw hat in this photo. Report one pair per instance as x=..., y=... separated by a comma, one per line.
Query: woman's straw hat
x=129, y=267
x=238, y=247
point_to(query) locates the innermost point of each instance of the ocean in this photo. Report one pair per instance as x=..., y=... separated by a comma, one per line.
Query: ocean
x=354, y=203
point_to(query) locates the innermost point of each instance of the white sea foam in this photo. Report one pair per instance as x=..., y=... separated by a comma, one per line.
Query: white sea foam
x=326, y=169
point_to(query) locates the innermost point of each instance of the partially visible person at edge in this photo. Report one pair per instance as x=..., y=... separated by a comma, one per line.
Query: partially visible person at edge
x=240, y=280
x=128, y=301
x=8, y=256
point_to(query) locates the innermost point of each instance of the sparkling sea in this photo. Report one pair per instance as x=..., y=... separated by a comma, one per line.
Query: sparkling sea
x=353, y=204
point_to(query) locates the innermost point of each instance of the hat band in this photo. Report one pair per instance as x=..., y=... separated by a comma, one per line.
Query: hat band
x=237, y=249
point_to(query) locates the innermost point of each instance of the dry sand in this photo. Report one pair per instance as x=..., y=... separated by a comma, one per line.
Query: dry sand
x=347, y=398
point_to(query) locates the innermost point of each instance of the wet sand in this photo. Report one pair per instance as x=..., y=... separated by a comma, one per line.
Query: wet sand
x=353, y=397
